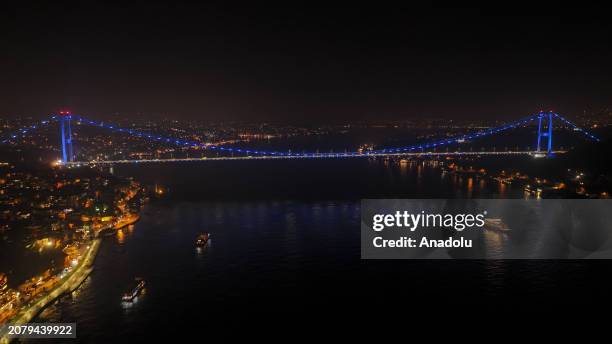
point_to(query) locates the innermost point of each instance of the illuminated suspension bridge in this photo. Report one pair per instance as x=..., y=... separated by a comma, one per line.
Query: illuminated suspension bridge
x=544, y=145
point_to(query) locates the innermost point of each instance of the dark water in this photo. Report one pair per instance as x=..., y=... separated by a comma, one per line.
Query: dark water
x=285, y=245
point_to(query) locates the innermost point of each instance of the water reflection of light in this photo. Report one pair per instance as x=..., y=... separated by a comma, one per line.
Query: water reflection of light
x=494, y=244
x=470, y=187
x=120, y=236
x=404, y=165
x=130, y=304
x=200, y=250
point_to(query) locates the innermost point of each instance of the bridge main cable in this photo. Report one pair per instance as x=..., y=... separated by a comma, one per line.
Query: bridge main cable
x=25, y=130
x=179, y=142
x=447, y=141
x=577, y=128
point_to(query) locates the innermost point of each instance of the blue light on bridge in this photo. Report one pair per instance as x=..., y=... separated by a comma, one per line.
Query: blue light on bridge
x=69, y=154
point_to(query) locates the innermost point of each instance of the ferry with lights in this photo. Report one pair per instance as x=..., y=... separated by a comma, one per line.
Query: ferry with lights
x=138, y=287
x=202, y=239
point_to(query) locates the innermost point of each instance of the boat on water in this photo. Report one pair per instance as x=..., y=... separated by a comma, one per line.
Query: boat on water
x=202, y=239
x=136, y=289
x=496, y=225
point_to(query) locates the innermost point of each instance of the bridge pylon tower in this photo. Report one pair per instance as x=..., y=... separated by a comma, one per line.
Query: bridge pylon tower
x=546, y=133
x=66, y=136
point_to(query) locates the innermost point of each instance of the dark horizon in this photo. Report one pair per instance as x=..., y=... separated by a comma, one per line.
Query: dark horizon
x=301, y=64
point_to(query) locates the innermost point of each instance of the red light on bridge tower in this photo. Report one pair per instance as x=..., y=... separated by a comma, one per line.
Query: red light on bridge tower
x=65, y=113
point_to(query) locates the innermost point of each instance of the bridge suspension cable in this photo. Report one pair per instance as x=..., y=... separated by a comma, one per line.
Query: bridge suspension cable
x=24, y=131
x=180, y=142
x=412, y=148
x=577, y=128
x=442, y=142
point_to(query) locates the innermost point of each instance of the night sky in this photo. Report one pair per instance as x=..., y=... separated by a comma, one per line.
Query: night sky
x=301, y=64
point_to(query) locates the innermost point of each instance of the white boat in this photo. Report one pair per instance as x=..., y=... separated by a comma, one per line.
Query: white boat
x=130, y=295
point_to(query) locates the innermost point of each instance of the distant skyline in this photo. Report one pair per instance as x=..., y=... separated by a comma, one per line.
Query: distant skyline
x=296, y=64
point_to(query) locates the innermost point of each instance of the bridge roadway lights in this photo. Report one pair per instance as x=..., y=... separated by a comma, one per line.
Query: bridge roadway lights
x=534, y=154
x=538, y=155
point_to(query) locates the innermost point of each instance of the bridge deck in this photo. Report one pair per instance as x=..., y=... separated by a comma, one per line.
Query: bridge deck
x=314, y=156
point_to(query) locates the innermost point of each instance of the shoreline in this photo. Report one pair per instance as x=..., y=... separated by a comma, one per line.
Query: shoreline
x=71, y=283
x=134, y=218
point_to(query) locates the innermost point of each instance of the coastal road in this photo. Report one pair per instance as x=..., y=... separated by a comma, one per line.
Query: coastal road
x=69, y=283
